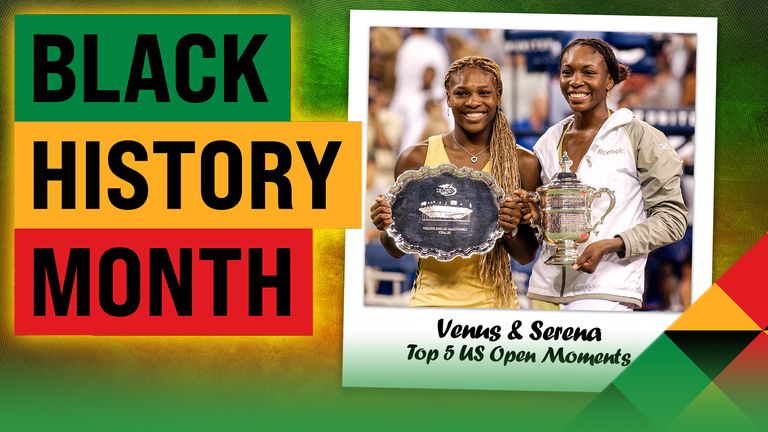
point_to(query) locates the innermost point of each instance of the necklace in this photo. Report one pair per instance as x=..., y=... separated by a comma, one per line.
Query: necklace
x=472, y=157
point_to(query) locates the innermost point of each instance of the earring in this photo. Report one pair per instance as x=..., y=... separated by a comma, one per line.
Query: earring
x=449, y=110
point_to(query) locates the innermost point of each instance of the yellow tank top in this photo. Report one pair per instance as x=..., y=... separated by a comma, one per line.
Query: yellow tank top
x=454, y=283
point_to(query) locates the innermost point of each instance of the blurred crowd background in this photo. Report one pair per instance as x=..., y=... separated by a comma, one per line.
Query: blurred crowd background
x=407, y=104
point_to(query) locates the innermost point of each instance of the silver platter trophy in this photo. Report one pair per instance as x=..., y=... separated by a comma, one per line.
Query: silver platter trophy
x=445, y=212
x=566, y=212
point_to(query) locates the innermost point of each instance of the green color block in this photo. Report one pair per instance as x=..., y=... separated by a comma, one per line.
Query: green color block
x=255, y=49
x=303, y=402
x=662, y=381
x=608, y=409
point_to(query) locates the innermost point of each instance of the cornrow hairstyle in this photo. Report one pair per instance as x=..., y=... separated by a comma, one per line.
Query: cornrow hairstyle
x=494, y=266
x=618, y=71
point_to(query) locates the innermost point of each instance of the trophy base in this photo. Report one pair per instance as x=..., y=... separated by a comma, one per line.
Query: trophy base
x=565, y=254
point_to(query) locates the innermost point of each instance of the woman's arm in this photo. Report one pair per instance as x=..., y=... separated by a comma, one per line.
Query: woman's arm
x=523, y=245
x=658, y=170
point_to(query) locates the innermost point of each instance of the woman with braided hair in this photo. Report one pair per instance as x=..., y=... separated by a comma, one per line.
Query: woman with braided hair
x=481, y=140
x=617, y=151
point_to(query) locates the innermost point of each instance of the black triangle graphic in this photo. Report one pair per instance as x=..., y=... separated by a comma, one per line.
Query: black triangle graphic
x=712, y=350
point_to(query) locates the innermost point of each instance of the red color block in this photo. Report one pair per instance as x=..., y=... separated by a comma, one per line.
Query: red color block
x=140, y=321
x=746, y=282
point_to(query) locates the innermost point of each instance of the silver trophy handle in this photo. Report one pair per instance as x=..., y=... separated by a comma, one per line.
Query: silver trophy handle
x=537, y=229
x=389, y=198
x=595, y=194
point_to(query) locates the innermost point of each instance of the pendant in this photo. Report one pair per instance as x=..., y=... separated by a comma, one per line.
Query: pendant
x=473, y=159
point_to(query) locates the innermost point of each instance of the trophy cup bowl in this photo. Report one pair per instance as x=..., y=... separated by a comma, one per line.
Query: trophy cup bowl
x=566, y=213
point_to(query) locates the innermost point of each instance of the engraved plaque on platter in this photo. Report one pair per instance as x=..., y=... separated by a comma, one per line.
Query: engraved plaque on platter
x=445, y=212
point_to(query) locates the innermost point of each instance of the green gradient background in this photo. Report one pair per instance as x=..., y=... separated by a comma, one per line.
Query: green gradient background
x=199, y=383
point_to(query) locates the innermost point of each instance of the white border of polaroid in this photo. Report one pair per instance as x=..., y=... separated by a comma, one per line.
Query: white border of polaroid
x=400, y=346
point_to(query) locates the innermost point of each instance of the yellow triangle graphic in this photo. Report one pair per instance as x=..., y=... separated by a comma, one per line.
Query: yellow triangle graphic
x=714, y=310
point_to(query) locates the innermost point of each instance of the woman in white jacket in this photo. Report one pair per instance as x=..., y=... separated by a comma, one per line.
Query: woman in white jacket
x=617, y=151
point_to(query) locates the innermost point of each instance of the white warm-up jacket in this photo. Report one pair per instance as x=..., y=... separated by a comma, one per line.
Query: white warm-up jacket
x=637, y=162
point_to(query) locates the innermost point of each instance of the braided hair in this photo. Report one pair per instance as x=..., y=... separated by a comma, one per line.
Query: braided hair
x=494, y=266
x=618, y=71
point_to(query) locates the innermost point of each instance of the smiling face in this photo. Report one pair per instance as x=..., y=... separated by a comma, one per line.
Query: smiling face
x=584, y=78
x=473, y=97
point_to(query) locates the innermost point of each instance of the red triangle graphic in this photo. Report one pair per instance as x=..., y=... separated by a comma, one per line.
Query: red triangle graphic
x=746, y=282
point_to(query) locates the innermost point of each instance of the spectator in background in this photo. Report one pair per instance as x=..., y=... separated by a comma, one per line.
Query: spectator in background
x=490, y=43
x=669, y=268
x=686, y=152
x=419, y=60
x=383, y=125
x=385, y=42
x=436, y=123
x=525, y=86
x=530, y=129
x=630, y=99
x=460, y=46
x=384, y=128
x=689, y=78
x=664, y=91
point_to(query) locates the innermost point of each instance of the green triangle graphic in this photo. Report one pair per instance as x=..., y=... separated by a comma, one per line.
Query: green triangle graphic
x=611, y=407
x=662, y=381
x=712, y=410
x=712, y=350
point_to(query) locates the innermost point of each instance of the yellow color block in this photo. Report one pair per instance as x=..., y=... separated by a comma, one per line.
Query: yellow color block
x=714, y=310
x=343, y=184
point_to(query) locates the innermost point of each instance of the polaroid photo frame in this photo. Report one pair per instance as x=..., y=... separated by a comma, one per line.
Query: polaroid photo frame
x=409, y=347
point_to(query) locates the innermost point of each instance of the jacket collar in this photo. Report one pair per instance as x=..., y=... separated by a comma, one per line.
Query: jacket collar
x=616, y=120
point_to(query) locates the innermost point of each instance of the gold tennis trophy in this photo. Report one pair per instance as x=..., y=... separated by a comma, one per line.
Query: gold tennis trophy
x=566, y=212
